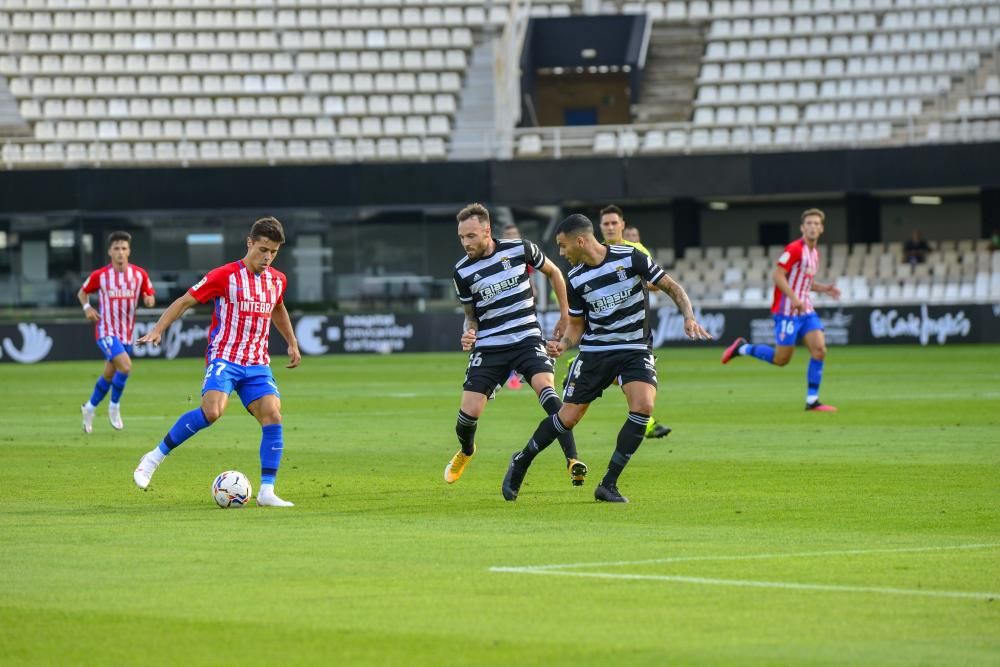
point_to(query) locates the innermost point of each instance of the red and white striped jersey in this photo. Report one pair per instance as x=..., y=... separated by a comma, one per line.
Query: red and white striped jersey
x=800, y=263
x=241, y=316
x=118, y=293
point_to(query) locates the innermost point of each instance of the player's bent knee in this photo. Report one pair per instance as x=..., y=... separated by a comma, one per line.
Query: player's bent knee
x=570, y=421
x=569, y=418
x=212, y=414
x=819, y=354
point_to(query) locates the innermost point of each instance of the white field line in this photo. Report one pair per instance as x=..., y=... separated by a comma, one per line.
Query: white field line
x=799, y=554
x=788, y=585
x=563, y=569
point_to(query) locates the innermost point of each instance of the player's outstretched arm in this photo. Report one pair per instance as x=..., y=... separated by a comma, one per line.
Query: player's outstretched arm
x=826, y=288
x=283, y=323
x=88, y=309
x=169, y=316
x=558, y=283
x=570, y=337
x=692, y=328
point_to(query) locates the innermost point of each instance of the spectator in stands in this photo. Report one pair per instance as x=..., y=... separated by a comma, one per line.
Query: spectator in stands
x=915, y=250
x=631, y=234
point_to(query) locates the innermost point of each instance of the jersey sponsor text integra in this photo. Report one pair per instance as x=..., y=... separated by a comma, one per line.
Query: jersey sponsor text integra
x=499, y=289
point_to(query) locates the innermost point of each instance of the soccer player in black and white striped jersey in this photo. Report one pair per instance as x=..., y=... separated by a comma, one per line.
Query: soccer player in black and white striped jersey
x=502, y=331
x=609, y=320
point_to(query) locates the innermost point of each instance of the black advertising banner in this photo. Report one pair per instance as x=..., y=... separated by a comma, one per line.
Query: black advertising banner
x=30, y=342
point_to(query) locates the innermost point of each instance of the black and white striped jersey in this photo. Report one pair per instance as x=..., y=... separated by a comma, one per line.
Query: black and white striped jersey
x=612, y=298
x=499, y=288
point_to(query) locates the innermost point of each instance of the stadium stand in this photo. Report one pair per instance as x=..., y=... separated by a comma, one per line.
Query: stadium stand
x=965, y=271
x=213, y=81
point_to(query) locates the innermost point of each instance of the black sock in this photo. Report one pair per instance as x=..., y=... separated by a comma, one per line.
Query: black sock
x=465, y=427
x=551, y=404
x=629, y=439
x=547, y=431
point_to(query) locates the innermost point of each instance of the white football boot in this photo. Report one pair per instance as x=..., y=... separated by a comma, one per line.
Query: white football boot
x=144, y=471
x=266, y=497
x=115, y=416
x=88, y=417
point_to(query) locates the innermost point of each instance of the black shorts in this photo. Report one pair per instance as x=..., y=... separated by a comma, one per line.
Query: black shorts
x=593, y=372
x=489, y=368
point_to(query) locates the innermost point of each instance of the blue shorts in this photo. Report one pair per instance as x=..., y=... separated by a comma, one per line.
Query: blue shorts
x=788, y=329
x=111, y=347
x=250, y=382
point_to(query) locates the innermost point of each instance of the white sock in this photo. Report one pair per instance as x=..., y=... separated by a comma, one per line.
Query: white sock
x=89, y=406
x=742, y=349
x=266, y=490
x=112, y=404
x=156, y=456
x=812, y=399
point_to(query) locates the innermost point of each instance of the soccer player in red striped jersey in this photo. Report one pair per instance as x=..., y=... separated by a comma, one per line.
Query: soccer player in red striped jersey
x=246, y=297
x=119, y=286
x=794, y=315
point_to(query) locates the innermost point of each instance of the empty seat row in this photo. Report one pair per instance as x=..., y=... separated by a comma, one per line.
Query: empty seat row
x=722, y=138
x=814, y=112
x=941, y=17
x=71, y=154
x=963, y=130
x=867, y=66
x=797, y=25
x=926, y=86
x=368, y=126
x=228, y=107
x=236, y=84
x=988, y=105
x=154, y=63
x=761, y=50
x=226, y=19
x=703, y=9
x=815, y=46
x=375, y=39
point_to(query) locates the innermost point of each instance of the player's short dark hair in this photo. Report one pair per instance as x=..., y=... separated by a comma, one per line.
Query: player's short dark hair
x=813, y=211
x=119, y=236
x=474, y=210
x=611, y=208
x=269, y=228
x=574, y=225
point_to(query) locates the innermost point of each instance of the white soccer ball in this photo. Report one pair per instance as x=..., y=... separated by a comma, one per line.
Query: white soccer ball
x=232, y=489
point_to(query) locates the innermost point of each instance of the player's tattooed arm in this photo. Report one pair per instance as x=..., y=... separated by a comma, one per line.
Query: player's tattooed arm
x=558, y=283
x=570, y=337
x=471, y=321
x=673, y=289
x=692, y=328
x=471, y=327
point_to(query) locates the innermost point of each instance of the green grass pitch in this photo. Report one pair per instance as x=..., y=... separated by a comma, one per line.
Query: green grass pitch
x=757, y=534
